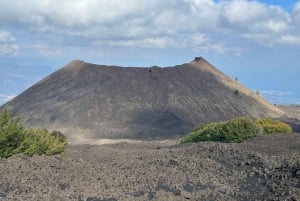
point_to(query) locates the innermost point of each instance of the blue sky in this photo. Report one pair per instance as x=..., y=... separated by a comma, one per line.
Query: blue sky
x=286, y=4
x=256, y=41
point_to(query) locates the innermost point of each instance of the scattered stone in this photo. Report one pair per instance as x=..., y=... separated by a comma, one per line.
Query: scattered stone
x=263, y=168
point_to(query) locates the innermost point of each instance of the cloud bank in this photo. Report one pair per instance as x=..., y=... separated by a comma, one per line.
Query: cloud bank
x=203, y=25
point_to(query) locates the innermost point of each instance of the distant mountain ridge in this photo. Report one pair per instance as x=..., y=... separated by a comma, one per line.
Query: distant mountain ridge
x=96, y=101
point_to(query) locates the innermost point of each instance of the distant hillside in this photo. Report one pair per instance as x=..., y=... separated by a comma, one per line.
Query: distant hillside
x=96, y=101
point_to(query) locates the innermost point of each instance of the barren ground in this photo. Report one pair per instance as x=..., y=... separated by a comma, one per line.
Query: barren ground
x=263, y=168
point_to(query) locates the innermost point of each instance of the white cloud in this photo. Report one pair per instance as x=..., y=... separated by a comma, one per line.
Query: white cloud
x=296, y=16
x=146, y=43
x=265, y=39
x=219, y=49
x=256, y=21
x=5, y=36
x=7, y=49
x=183, y=41
x=241, y=12
x=281, y=97
x=156, y=23
x=6, y=45
x=289, y=39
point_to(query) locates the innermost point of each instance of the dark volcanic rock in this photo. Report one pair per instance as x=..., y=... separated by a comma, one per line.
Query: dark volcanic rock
x=262, y=168
x=95, y=101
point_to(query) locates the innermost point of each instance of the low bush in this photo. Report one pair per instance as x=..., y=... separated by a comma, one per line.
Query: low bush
x=11, y=134
x=272, y=126
x=15, y=139
x=39, y=141
x=235, y=130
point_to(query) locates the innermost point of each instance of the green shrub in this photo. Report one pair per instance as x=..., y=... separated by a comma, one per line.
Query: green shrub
x=39, y=141
x=11, y=134
x=235, y=130
x=272, y=126
x=15, y=139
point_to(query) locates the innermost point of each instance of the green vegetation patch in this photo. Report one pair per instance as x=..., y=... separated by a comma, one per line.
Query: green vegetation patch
x=15, y=139
x=236, y=130
x=272, y=126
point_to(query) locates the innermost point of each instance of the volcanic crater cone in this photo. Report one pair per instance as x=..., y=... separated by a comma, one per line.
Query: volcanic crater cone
x=89, y=101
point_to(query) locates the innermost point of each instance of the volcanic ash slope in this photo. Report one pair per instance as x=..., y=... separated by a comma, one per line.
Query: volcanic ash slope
x=88, y=101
